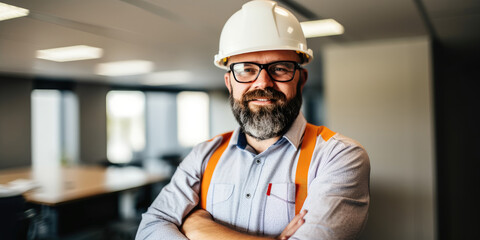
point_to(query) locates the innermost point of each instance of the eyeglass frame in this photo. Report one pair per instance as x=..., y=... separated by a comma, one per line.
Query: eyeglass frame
x=265, y=66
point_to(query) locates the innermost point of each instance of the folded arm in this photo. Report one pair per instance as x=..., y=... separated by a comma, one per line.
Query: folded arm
x=200, y=225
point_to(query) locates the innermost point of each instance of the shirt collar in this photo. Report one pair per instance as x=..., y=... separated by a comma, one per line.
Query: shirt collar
x=293, y=135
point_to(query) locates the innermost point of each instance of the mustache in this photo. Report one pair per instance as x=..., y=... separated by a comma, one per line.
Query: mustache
x=269, y=93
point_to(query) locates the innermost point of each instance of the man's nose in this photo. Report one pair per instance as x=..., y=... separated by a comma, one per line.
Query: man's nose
x=263, y=81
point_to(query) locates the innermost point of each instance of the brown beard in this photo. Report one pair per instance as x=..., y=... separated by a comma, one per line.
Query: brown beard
x=266, y=122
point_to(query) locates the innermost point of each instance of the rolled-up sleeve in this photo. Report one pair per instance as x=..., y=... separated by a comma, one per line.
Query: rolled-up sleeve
x=338, y=196
x=175, y=201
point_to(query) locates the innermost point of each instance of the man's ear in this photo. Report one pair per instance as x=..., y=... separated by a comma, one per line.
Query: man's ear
x=303, y=78
x=227, y=82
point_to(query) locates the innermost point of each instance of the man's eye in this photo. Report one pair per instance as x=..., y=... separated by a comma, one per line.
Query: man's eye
x=279, y=69
x=249, y=70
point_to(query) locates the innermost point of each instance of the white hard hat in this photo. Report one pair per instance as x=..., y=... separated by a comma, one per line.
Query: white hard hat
x=260, y=26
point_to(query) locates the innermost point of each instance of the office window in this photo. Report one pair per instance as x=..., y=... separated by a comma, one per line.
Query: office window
x=161, y=119
x=193, y=124
x=125, y=126
x=54, y=127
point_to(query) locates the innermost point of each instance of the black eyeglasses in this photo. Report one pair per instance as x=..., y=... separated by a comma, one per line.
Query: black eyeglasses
x=281, y=71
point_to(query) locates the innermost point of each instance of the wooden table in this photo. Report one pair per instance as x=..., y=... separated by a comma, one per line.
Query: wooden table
x=59, y=185
x=63, y=188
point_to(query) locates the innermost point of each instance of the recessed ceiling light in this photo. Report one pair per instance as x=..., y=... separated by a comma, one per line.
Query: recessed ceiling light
x=124, y=68
x=72, y=53
x=9, y=11
x=168, y=78
x=321, y=28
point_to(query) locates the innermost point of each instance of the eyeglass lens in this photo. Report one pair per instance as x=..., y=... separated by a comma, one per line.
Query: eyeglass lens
x=279, y=71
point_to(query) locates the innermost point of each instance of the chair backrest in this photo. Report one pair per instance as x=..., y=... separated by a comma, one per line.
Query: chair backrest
x=12, y=209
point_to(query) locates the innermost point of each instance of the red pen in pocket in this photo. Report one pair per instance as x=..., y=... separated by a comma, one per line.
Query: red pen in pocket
x=269, y=190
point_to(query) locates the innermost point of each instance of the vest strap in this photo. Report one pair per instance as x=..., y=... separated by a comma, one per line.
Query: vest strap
x=303, y=164
x=212, y=163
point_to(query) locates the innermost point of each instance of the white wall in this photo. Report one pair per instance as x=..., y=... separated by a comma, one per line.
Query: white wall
x=379, y=93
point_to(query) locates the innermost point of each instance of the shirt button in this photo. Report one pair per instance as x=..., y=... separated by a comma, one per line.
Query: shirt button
x=258, y=161
x=248, y=195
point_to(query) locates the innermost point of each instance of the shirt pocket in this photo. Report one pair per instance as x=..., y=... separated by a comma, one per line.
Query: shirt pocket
x=222, y=207
x=279, y=208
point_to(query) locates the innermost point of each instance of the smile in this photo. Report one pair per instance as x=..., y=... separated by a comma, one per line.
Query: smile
x=262, y=101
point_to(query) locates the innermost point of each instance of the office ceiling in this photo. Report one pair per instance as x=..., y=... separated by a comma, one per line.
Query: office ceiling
x=182, y=35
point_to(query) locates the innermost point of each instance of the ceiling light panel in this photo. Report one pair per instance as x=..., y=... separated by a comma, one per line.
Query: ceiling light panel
x=168, y=78
x=124, y=68
x=321, y=28
x=9, y=11
x=72, y=53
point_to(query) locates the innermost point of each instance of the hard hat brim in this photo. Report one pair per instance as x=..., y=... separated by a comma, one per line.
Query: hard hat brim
x=220, y=60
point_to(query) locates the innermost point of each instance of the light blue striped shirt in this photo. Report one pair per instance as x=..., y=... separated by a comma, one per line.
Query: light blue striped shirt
x=338, y=188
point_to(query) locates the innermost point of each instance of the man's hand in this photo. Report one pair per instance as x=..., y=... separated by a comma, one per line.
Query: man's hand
x=293, y=226
x=200, y=225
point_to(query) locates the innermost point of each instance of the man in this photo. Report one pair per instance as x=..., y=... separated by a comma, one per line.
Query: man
x=275, y=176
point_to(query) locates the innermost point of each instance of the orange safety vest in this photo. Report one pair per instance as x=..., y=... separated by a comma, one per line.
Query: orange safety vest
x=301, y=175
